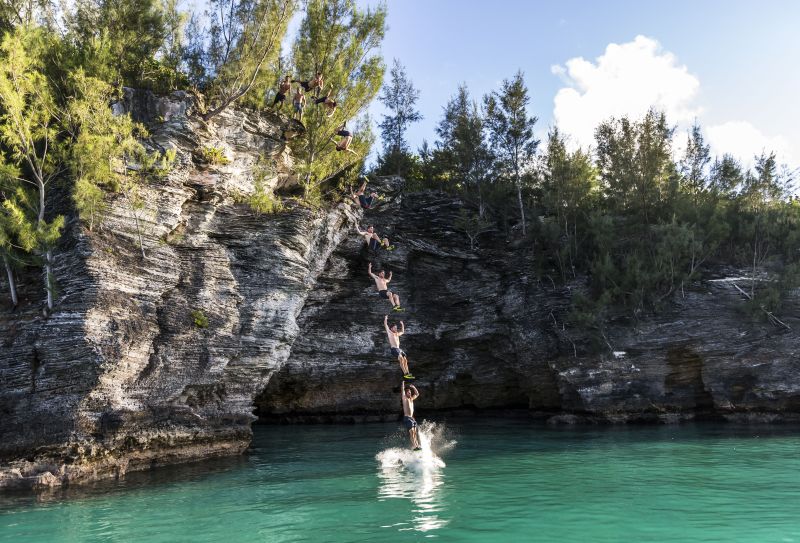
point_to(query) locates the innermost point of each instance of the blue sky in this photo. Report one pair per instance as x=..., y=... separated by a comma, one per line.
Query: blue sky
x=732, y=65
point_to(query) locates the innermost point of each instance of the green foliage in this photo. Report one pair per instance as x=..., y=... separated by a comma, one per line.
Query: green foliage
x=263, y=200
x=339, y=40
x=472, y=225
x=511, y=133
x=29, y=131
x=242, y=56
x=399, y=97
x=199, y=318
x=214, y=155
x=133, y=43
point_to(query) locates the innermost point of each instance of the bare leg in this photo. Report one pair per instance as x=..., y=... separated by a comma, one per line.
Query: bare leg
x=363, y=188
x=396, y=300
x=403, y=364
x=412, y=434
x=390, y=297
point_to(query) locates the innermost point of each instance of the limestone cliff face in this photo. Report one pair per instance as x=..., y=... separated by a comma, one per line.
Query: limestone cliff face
x=483, y=332
x=121, y=377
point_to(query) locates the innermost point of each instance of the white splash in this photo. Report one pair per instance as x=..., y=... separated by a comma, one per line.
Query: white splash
x=416, y=476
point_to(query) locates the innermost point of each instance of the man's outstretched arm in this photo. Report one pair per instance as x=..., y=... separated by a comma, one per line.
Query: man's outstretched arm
x=386, y=323
x=402, y=328
x=414, y=391
x=369, y=271
x=388, y=279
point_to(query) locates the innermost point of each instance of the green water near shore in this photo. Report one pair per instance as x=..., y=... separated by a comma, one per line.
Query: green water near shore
x=504, y=481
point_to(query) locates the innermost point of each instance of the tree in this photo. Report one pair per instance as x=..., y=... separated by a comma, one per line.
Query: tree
x=120, y=40
x=726, y=176
x=339, y=40
x=472, y=225
x=29, y=130
x=511, y=132
x=244, y=39
x=461, y=150
x=568, y=182
x=692, y=166
x=634, y=159
x=762, y=194
x=399, y=97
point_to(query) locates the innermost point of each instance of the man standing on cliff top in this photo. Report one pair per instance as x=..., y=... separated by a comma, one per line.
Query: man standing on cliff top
x=393, y=334
x=381, y=283
x=408, y=395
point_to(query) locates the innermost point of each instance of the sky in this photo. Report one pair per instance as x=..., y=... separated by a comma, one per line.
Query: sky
x=731, y=65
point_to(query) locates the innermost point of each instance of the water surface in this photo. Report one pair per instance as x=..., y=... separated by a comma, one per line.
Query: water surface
x=504, y=481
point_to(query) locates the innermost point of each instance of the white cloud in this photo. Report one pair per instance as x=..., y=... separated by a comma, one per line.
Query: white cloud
x=631, y=77
x=627, y=79
x=743, y=140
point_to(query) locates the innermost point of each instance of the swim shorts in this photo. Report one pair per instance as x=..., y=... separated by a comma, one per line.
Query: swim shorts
x=280, y=97
x=409, y=422
x=397, y=352
x=365, y=201
x=344, y=133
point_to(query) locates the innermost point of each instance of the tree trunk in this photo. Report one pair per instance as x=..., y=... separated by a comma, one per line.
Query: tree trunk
x=12, y=285
x=521, y=207
x=48, y=275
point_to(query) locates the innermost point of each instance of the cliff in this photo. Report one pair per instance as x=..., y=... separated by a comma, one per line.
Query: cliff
x=125, y=376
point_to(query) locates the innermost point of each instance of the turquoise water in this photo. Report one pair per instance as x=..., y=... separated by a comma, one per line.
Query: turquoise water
x=504, y=481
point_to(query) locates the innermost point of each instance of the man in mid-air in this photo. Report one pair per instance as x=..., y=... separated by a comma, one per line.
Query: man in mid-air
x=393, y=334
x=382, y=284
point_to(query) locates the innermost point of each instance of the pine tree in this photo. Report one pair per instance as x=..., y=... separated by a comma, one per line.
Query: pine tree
x=694, y=162
x=461, y=149
x=339, y=40
x=29, y=130
x=511, y=132
x=244, y=46
x=568, y=183
x=130, y=43
x=399, y=97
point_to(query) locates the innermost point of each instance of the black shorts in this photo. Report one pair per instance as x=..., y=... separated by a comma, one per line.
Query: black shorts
x=374, y=244
x=409, y=422
x=365, y=201
x=397, y=352
x=344, y=133
x=320, y=100
x=383, y=293
x=306, y=85
x=280, y=97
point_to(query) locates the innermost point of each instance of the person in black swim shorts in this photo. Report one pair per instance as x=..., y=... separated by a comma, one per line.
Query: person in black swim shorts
x=283, y=89
x=393, y=335
x=315, y=84
x=328, y=102
x=344, y=143
x=373, y=240
x=382, y=284
x=408, y=395
x=366, y=202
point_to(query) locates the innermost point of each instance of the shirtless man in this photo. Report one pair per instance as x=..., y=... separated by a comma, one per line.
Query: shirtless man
x=299, y=102
x=408, y=395
x=315, y=84
x=283, y=89
x=366, y=202
x=372, y=239
x=393, y=334
x=328, y=102
x=381, y=283
x=347, y=139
